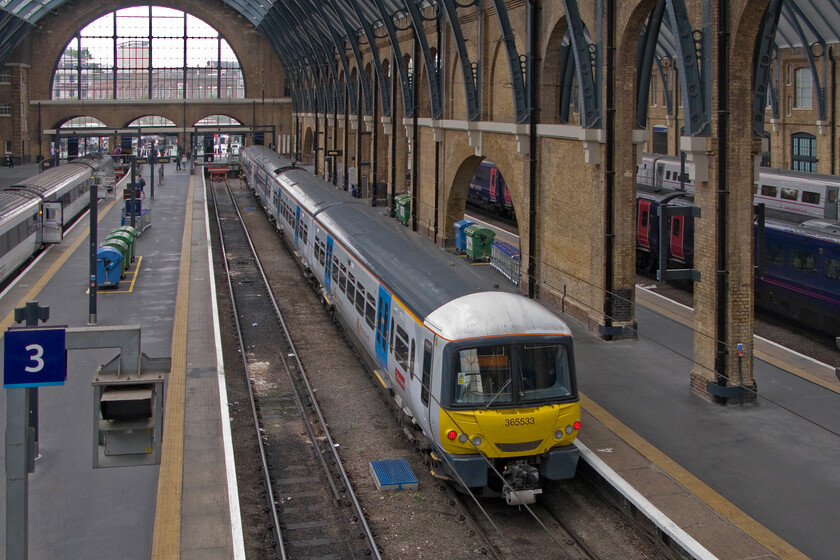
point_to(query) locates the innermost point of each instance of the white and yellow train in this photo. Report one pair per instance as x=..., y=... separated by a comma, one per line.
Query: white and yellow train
x=486, y=375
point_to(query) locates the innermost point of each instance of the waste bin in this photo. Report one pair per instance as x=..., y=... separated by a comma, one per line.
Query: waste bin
x=478, y=241
x=403, y=207
x=108, y=266
x=460, y=236
x=128, y=239
x=120, y=246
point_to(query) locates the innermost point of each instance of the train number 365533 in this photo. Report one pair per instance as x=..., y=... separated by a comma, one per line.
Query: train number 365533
x=520, y=421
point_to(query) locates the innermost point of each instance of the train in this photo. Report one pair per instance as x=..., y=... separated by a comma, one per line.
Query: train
x=796, y=247
x=484, y=376
x=814, y=195
x=35, y=211
x=488, y=191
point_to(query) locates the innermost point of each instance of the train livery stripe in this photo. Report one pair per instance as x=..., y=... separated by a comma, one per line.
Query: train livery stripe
x=166, y=541
x=724, y=507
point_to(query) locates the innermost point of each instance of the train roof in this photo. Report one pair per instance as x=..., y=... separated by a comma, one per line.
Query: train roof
x=822, y=229
x=57, y=178
x=493, y=314
x=422, y=275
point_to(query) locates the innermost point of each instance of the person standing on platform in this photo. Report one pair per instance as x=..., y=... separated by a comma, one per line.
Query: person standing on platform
x=141, y=186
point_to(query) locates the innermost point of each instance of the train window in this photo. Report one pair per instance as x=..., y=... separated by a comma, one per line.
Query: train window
x=832, y=269
x=4, y=245
x=318, y=249
x=543, y=372
x=832, y=196
x=370, y=311
x=483, y=375
x=342, y=279
x=427, y=372
x=644, y=219
x=774, y=253
x=411, y=359
x=322, y=257
x=810, y=197
x=335, y=269
x=675, y=228
x=401, y=348
x=803, y=260
x=768, y=190
x=392, y=331
x=351, y=288
x=789, y=193
x=360, y=300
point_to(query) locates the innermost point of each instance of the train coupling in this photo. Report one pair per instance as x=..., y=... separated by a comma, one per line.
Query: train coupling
x=521, y=484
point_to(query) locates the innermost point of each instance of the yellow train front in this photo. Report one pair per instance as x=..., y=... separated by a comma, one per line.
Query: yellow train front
x=508, y=410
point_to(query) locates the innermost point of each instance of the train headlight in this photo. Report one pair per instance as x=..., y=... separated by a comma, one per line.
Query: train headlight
x=558, y=434
x=477, y=441
x=451, y=434
x=462, y=438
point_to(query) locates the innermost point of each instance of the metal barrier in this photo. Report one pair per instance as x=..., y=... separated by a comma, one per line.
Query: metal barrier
x=506, y=259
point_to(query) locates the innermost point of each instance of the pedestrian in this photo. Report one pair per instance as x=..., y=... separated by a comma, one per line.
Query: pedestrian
x=141, y=185
x=160, y=173
x=178, y=161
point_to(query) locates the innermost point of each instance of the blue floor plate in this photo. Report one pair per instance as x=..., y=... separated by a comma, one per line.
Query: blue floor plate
x=393, y=474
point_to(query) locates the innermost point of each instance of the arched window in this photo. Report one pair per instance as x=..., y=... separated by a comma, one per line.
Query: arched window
x=804, y=88
x=148, y=52
x=803, y=152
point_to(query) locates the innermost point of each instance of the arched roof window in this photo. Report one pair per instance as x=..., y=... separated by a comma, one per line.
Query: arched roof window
x=148, y=52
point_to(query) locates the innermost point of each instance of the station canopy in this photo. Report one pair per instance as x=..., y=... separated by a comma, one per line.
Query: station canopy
x=295, y=27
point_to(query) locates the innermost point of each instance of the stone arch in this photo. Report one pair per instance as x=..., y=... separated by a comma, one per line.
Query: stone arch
x=461, y=166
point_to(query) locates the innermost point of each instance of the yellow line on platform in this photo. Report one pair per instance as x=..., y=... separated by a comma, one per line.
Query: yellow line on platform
x=166, y=542
x=36, y=288
x=724, y=507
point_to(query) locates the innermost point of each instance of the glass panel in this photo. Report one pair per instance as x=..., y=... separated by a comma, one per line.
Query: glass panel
x=544, y=372
x=774, y=253
x=65, y=84
x=167, y=83
x=810, y=197
x=167, y=22
x=97, y=52
x=202, y=53
x=803, y=260
x=832, y=269
x=767, y=190
x=133, y=22
x=198, y=28
x=102, y=27
x=483, y=375
x=168, y=53
x=97, y=83
x=70, y=58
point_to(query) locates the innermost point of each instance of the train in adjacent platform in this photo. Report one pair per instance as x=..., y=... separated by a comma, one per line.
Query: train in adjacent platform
x=488, y=191
x=35, y=211
x=797, y=252
x=486, y=377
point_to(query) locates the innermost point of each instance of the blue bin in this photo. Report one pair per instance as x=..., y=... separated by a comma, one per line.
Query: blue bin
x=108, y=266
x=460, y=235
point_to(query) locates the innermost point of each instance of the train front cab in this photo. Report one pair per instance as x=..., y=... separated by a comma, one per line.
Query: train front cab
x=508, y=414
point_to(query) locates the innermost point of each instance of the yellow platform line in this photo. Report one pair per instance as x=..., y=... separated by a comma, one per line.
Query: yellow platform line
x=764, y=536
x=166, y=541
x=36, y=288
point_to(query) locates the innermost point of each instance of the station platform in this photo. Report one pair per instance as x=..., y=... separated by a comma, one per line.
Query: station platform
x=729, y=482
x=173, y=510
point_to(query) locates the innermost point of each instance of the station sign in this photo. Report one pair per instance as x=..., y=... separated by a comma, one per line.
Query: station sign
x=141, y=160
x=163, y=159
x=334, y=152
x=34, y=357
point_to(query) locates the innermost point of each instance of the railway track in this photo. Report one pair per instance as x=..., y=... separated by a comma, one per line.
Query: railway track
x=313, y=510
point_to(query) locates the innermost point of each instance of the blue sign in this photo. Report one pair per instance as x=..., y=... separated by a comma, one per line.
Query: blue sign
x=34, y=357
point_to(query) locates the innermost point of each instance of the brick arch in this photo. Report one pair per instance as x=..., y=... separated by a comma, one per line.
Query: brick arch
x=500, y=93
x=461, y=165
x=308, y=144
x=48, y=41
x=550, y=87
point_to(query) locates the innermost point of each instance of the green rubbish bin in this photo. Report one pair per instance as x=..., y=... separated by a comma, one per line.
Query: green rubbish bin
x=126, y=238
x=478, y=241
x=120, y=246
x=403, y=207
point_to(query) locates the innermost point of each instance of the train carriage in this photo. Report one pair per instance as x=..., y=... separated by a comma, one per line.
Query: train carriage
x=36, y=210
x=486, y=375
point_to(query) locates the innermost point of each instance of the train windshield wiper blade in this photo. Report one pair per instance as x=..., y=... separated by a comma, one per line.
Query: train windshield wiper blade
x=486, y=406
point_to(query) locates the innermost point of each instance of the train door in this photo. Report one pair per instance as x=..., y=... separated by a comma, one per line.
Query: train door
x=297, y=223
x=831, y=202
x=426, y=378
x=328, y=263
x=660, y=175
x=678, y=237
x=51, y=222
x=494, y=174
x=643, y=224
x=383, y=316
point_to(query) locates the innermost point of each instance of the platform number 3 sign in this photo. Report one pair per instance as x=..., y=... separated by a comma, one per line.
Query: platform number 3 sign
x=34, y=357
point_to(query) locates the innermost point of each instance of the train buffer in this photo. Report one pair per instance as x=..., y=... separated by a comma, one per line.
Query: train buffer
x=218, y=173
